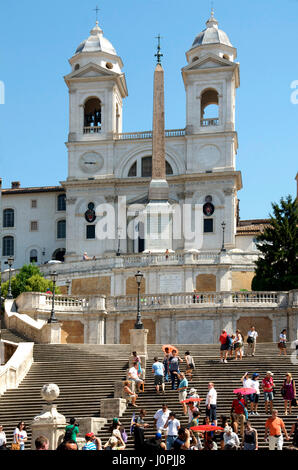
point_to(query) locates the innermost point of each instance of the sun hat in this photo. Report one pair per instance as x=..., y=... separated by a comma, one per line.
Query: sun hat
x=269, y=372
x=192, y=390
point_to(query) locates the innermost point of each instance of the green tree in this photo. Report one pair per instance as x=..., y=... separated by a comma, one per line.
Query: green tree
x=277, y=267
x=29, y=279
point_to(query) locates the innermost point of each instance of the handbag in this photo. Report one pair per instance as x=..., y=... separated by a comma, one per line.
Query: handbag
x=294, y=402
x=250, y=340
x=15, y=446
x=283, y=390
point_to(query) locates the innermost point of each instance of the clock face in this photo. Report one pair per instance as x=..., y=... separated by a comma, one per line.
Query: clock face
x=91, y=162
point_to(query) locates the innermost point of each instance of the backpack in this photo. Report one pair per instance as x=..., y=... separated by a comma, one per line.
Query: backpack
x=68, y=433
x=229, y=341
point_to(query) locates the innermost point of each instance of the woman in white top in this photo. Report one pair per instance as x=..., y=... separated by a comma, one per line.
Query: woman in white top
x=238, y=345
x=282, y=345
x=20, y=435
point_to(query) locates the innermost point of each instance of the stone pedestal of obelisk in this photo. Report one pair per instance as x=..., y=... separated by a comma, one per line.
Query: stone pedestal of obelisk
x=158, y=213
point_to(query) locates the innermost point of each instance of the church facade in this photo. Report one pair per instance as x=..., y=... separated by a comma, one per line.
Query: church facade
x=111, y=170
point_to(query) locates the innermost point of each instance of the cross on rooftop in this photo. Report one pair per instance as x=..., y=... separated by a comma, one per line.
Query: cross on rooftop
x=96, y=10
x=158, y=55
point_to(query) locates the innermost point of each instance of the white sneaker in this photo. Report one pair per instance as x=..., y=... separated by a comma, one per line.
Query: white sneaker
x=225, y=361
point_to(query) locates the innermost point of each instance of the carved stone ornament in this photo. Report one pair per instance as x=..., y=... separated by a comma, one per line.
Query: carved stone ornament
x=71, y=200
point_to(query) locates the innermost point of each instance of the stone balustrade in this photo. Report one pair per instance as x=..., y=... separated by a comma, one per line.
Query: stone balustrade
x=148, y=134
x=112, y=261
x=200, y=300
x=14, y=371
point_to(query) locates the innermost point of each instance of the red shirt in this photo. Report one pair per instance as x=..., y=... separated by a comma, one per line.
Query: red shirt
x=267, y=384
x=223, y=338
x=238, y=409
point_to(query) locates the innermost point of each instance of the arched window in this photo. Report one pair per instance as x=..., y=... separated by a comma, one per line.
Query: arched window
x=8, y=246
x=145, y=169
x=59, y=254
x=33, y=256
x=92, y=116
x=61, y=202
x=61, y=229
x=133, y=170
x=8, y=218
x=209, y=108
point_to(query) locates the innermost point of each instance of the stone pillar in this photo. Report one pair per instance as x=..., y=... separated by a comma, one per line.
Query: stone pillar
x=138, y=342
x=49, y=423
x=51, y=333
x=112, y=407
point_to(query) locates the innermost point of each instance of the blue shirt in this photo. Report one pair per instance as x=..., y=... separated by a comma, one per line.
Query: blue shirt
x=183, y=383
x=158, y=368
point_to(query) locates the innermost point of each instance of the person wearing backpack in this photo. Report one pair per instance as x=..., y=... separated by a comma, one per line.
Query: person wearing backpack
x=239, y=414
x=71, y=430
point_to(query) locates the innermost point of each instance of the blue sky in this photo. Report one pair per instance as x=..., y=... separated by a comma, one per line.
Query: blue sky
x=38, y=38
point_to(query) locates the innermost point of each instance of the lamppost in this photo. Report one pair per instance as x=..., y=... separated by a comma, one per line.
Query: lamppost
x=68, y=282
x=118, y=235
x=10, y=261
x=223, y=237
x=139, y=325
x=53, y=318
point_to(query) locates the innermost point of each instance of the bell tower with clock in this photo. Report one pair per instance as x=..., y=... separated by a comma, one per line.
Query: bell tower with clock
x=97, y=87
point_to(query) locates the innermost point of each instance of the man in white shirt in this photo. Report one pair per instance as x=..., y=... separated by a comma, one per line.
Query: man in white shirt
x=161, y=417
x=133, y=375
x=211, y=403
x=172, y=425
x=251, y=341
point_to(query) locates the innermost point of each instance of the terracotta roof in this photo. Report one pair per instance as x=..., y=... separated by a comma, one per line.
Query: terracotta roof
x=41, y=189
x=251, y=227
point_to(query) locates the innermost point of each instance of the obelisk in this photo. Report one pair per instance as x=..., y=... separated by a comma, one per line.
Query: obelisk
x=159, y=189
x=158, y=212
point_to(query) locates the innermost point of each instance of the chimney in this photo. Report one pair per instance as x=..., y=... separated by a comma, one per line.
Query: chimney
x=15, y=184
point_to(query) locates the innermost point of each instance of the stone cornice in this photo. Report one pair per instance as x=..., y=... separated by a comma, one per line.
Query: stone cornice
x=173, y=179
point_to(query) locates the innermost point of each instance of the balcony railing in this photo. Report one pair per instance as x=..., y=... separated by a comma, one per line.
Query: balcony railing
x=200, y=300
x=209, y=122
x=148, y=134
x=92, y=130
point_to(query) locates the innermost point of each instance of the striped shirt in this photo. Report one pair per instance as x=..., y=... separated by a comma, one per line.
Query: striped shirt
x=89, y=446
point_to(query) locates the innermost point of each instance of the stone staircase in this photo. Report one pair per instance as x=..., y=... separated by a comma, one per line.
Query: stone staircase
x=85, y=374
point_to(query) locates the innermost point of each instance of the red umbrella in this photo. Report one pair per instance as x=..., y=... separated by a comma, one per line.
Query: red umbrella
x=206, y=427
x=191, y=399
x=244, y=391
x=170, y=348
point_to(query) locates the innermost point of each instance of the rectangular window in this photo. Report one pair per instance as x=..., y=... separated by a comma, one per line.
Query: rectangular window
x=61, y=229
x=33, y=226
x=90, y=231
x=33, y=203
x=61, y=202
x=8, y=246
x=208, y=225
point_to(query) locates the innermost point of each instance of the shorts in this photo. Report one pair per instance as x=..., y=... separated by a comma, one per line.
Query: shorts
x=268, y=396
x=224, y=347
x=182, y=395
x=211, y=413
x=237, y=345
x=250, y=397
x=190, y=366
x=158, y=379
x=138, y=381
x=282, y=345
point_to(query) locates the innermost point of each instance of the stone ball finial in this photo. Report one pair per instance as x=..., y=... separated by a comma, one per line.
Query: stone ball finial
x=50, y=392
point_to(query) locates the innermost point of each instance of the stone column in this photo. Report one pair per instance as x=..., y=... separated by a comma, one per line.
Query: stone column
x=50, y=423
x=138, y=341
